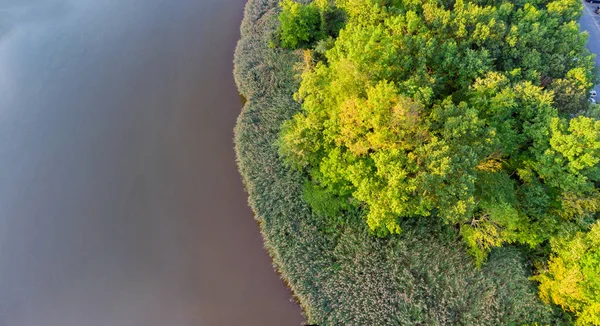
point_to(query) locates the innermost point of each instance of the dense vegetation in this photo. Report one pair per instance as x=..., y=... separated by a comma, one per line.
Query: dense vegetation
x=423, y=110
x=339, y=272
x=472, y=113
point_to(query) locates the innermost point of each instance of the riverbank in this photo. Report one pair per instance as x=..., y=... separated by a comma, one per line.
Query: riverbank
x=343, y=275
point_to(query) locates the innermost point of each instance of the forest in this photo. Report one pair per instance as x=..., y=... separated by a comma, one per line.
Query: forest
x=429, y=162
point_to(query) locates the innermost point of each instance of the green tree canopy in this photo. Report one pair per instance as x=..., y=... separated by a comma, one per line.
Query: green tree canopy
x=461, y=110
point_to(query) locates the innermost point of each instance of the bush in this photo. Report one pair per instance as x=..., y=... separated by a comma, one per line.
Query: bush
x=344, y=276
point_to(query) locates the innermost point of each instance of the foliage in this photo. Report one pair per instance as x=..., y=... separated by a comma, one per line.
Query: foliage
x=458, y=110
x=325, y=203
x=300, y=24
x=569, y=94
x=338, y=272
x=572, y=279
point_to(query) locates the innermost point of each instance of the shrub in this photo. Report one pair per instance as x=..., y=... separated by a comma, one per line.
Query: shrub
x=345, y=276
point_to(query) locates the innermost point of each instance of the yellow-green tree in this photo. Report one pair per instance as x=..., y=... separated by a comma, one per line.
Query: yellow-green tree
x=572, y=278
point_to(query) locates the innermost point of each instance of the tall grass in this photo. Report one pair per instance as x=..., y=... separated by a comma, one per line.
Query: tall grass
x=346, y=276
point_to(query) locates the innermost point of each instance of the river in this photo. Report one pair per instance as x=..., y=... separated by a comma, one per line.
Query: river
x=120, y=203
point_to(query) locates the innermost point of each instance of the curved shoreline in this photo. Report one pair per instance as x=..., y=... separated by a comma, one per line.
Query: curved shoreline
x=350, y=277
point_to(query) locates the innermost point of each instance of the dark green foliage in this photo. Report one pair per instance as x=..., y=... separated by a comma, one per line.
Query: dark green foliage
x=303, y=23
x=333, y=19
x=340, y=274
x=323, y=202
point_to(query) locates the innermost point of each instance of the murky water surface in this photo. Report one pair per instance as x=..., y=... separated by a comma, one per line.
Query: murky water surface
x=120, y=203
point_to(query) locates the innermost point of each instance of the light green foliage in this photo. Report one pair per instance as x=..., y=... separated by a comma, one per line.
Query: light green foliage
x=340, y=274
x=300, y=24
x=457, y=110
x=572, y=278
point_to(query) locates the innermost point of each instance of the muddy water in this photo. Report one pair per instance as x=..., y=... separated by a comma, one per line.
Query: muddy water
x=120, y=203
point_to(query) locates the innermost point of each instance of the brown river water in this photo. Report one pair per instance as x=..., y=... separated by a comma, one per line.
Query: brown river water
x=120, y=203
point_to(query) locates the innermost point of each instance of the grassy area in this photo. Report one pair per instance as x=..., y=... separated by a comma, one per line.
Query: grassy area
x=341, y=275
